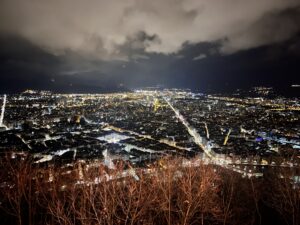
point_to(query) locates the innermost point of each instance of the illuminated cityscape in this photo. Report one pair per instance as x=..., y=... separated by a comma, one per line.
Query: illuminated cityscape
x=136, y=112
x=244, y=134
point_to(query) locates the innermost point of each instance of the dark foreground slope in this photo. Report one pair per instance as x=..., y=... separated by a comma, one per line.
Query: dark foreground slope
x=165, y=193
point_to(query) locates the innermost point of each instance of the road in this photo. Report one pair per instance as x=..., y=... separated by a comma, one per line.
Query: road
x=192, y=131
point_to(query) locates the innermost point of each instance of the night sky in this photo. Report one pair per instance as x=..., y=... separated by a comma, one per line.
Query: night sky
x=103, y=46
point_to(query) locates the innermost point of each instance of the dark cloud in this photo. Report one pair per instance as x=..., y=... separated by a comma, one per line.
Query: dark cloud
x=96, y=45
x=273, y=27
x=98, y=29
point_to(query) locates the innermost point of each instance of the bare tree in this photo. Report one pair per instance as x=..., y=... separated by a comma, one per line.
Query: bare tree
x=16, y=193
x=284, y=195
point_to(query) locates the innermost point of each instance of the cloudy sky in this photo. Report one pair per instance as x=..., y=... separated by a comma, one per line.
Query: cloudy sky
x=97, y=45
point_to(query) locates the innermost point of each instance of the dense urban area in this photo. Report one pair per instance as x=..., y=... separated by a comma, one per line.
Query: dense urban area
x=146, y=124
x=248, y=137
